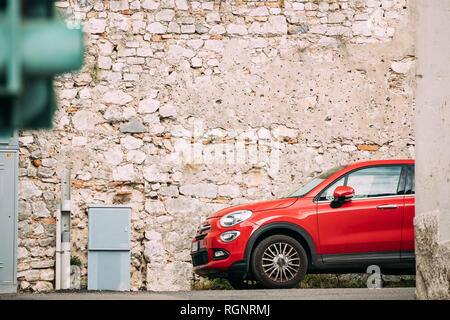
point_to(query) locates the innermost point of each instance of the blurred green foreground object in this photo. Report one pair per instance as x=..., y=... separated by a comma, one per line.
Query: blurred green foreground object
x=34, y=46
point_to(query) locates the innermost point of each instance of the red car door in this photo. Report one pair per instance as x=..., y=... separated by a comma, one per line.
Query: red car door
x=371, y=221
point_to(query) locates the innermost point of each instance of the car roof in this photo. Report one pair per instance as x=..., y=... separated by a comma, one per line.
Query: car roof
x=379, y=162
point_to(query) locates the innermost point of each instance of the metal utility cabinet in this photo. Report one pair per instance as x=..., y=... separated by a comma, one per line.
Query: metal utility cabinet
x=8, y=212
x=109, y=248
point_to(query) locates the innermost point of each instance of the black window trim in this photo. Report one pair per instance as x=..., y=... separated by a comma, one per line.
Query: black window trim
x=402, y=181
x=345, y=175
x=410, y=180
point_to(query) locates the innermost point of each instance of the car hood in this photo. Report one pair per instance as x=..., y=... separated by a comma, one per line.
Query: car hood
x=258, y=206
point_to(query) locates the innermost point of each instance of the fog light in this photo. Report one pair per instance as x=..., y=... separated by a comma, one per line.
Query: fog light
x=219, y=254
x=229, y=235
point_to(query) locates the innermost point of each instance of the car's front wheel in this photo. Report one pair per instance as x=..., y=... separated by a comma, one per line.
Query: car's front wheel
x=279, y=261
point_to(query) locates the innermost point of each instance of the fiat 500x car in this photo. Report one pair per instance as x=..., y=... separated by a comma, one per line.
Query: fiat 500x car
x=342, y=221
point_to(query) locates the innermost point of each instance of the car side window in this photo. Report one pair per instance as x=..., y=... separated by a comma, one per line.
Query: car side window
x=375, y=181
x=328, y=193
x=409, y=189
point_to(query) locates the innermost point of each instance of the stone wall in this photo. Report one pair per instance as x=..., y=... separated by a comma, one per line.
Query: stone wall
x=185, y=107
x=432, y=221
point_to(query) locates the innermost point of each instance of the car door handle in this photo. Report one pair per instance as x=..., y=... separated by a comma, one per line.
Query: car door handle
x=388, y=206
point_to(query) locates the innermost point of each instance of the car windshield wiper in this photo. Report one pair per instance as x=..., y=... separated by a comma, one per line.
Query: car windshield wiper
x=291, y=197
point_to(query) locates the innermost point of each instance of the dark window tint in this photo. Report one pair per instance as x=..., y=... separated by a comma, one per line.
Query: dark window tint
x=375, y=181
x=403, y=178
x=409, y=188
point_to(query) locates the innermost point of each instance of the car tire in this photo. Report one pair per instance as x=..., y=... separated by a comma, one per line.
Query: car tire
x=279, y=261
x=239, y=283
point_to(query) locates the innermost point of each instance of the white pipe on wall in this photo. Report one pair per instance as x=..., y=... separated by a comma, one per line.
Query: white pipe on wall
x=65, y=242
x=62, y=268
x=65, y=265
x=65, y=210
x=58, y=249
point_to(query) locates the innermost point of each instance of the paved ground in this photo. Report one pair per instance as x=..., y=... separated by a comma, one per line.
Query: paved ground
x=286, y=294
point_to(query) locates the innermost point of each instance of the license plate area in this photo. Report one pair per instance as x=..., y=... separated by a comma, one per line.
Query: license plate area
x=195, y=246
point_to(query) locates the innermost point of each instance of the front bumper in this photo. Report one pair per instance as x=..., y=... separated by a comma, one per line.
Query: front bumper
x=231, y=259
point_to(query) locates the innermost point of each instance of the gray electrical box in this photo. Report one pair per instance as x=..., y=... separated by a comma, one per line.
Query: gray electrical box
x=109, y=248
x=8, y=212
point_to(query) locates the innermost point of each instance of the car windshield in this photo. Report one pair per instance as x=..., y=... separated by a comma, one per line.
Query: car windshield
x=306, y=188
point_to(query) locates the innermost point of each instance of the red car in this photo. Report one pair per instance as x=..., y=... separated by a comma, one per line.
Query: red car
x=342, y=221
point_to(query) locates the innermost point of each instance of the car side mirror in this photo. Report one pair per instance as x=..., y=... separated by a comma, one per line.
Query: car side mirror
x=342, y=194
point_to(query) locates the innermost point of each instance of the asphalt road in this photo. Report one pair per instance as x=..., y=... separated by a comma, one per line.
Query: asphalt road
x=285, y=294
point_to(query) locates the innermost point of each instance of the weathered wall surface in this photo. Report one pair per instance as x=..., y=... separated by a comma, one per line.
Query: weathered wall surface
x=432, y=222
x=312, y=84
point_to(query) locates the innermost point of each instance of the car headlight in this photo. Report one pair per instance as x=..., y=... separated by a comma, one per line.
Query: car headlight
x=234, y=218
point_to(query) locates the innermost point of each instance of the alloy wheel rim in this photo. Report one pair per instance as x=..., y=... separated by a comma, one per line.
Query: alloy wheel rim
x=281, y=262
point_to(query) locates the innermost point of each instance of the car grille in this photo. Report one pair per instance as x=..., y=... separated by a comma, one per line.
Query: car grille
x=200, y=257
x=202, y=231
x=203, y=228
x=200, y=237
